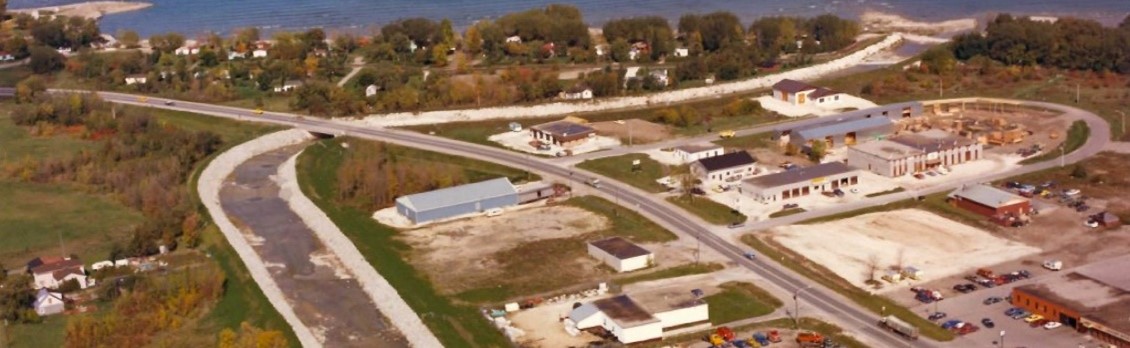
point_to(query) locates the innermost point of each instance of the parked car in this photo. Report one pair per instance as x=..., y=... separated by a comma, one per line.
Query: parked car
x=951, y=324
x=1021, y=314
x=792, y=205
x=1012, y=311
x=737, y=225
x=1091, y=223
x=937, y=316
x=964, y=288
x=1071, y=192
x=1082, y=208
x=1051, y=325
x=988, y=323
x=1038, y=323
x=1033, y=318
x=993, y=300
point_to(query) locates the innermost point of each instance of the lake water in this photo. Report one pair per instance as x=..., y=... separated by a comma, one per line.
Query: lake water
x=199, y=16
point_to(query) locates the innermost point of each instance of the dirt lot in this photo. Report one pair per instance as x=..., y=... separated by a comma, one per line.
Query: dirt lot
x=937, y=246
x=642, y=132
x=1047, y=129
x=454, y=267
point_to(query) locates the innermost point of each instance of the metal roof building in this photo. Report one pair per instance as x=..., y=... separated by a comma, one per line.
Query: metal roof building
x=457, y=200
x=845, y=132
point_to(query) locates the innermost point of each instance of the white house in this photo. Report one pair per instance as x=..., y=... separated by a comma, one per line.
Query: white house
x=620, y=254
x=233, y=55
x=371, y=90
x=514, y=39
x=660, y=75
x=102, y=264
x=6, y=57
x=694, y=152
x=186, y=50
x=48, y=302
x=578, y=92
x=136, y=79
x=259, y=53
x=641, y=317
x=288, y=86
x=729, y=167
x=682, y=52
x=52, y=273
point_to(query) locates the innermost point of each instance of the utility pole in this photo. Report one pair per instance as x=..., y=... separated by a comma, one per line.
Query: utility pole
x=1076, y=93
x=1061, y=156
x=1123, y=121
x=796, y=306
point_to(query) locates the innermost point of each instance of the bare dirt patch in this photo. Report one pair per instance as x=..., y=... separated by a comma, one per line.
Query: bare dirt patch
x=937, y=246
x=465, y=254
x=640, y=131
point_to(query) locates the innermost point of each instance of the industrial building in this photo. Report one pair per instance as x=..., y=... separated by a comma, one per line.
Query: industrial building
x=621, y=254
x=733, y=166
x=799, y=93
x=913, y=153
x=800, y=182
x=1093, y=299
x=694, y=152
x=1002, y=206
x=458, y=200
x=563, y=133
x=840, y=133
x=891, y=112
x=639, y=317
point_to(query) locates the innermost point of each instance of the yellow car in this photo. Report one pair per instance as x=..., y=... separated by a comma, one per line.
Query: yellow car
x=1033, y=318
x=726, y=134
x=258, y=111
x=142, y=99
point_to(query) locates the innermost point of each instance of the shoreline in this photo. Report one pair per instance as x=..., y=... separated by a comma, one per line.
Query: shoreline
x=873, y=20
x=90, y=10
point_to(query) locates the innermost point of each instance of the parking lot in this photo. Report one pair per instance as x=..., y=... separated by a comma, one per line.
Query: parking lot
x=1018, y=333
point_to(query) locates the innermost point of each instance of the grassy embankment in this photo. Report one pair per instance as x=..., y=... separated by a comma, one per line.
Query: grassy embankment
x=1076, y=136
x=93, y=223
x=621, y=169
x=711, y=211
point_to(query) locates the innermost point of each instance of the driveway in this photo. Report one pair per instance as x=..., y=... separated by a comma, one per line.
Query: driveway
x=323, y=294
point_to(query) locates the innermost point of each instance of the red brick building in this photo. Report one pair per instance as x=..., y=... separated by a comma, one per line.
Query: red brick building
x=1094, y=300
x=1002, y=206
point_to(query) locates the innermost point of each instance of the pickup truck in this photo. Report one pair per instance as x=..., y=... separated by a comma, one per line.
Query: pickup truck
x=594, y=183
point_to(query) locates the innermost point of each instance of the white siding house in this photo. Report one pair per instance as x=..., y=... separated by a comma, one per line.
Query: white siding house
x=53, y=274
x=729, y=167
x=620, y=254
x=136, y=79
x=48, y=303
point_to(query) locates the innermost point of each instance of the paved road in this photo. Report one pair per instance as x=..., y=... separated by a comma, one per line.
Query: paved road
x=844, y=312
x=333, y=305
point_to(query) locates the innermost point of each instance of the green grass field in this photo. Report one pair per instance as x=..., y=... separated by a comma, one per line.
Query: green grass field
x=711, y=211
x=17, y=145
x=739, y=300
x=50, y=333
x=621, y=169
x=454, y=325
x=625, y=222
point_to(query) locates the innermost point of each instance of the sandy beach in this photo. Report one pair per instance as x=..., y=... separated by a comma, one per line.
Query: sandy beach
x=881, y=21
x=92, y=9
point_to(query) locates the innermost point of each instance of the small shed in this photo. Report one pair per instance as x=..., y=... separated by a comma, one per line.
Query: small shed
x=620, y=254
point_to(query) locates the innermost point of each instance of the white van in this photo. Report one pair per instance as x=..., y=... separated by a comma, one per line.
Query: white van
x=1054, y=265
x=494, y=212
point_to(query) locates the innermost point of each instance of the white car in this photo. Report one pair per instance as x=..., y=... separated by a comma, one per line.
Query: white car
x=1091, y=223
x=854, y=190
x=1071, y=192
x=1052, y=325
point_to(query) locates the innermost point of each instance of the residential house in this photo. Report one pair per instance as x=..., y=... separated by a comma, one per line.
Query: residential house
x=732, y=166
x=289, y=85
x=514, y=39
x=577, y=92
x=136, y=79
x=187, y=50
x=53, y=272
x=660, y=75
x=6, y=57
x=681, y=52
x=371, y=90
x=234, y=55
x=48, y=302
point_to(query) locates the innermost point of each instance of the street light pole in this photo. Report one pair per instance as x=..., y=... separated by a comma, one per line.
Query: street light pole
x=796, y=306
x=1002, y=339
x=1123, y=123
x=1062, y=161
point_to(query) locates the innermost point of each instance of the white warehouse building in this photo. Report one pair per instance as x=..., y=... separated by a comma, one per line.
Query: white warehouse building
x=641, y=318
x=620, y=254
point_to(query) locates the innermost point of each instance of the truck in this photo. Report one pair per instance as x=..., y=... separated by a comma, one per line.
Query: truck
x=726, y=333
x=896, y=325
x=809, y=337
x=1054, y=265
x=594, y=182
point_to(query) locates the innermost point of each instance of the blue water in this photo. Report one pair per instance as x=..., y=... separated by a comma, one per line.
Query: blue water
x=200, y=16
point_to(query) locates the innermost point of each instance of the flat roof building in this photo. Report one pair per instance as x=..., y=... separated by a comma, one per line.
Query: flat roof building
x=621, y=254
x=693, y=152
x=562, y=133
x=800, y=182
x=1093, y=299
x=913, y=153
x=457, y=200
x=640, y=317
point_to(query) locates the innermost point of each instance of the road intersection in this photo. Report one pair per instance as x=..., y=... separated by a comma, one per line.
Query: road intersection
x=854, y=318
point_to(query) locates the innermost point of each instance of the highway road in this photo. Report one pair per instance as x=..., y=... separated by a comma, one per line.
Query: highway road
x=844, y=312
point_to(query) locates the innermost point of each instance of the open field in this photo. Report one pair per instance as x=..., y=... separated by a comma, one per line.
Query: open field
x=711, y=211
x=17, y=144
x=620, y=168
x=740, y=300
x=633, y=131
x=454, y=324
x=35, y=216
x=937, y=246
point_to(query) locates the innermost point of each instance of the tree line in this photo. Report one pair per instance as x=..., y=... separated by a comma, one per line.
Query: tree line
x=372, y=175
x=1068, y=43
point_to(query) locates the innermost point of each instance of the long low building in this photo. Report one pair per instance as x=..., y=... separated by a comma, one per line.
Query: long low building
x=800, y=182
x=620, y=254
x=457, y=200
x=1093, y=299
x=848, y=132
x=640, y=317
x=1001, y=206
x=913, y=153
